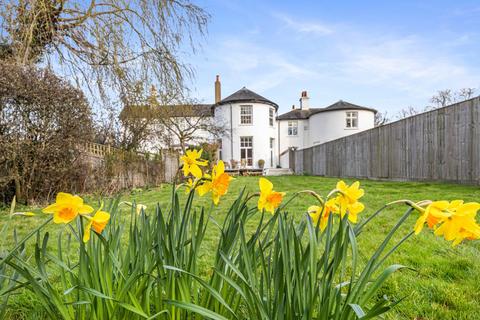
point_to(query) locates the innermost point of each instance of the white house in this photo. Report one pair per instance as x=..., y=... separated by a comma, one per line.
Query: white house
x=254, y=131
x=304, y=127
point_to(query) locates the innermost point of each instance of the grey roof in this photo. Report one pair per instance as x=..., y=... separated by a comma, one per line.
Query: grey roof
x=179, y=110
x=299, y=114
x=343, y=105
x=246, y=95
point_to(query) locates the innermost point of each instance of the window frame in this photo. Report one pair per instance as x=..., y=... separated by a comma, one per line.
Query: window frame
x=292, y=128
x=246, y=115
x=246, y=146
x=351, y=119
x=271, y=116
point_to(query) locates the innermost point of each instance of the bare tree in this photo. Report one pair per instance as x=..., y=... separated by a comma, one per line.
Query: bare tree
x=443, y=98
x=104, y=45
x=381, y=118
x=407, y=112
x=446, y=97
x=171, y=121
x=465, y=94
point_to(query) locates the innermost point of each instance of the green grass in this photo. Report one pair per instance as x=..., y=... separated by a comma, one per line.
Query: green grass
x=444, y=285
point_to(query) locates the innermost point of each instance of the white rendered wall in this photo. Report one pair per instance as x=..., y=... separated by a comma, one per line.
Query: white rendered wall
x=260, y=130
x=331, y=125
x=300, y=141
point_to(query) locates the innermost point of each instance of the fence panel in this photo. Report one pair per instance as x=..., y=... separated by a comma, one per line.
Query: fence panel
x=439, y=145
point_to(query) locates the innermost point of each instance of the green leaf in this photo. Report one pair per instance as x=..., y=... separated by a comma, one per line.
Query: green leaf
x=196, y=309
x=357, y=309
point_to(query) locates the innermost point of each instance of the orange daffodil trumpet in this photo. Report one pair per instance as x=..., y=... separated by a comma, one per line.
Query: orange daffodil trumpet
x=269, y=199
x=192, y=162
x=218, y=183
x=98, y=222
x=67, y=207
x=454, y=220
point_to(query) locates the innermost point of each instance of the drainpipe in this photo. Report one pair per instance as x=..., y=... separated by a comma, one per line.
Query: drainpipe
x=231, y=132
x=278, y=152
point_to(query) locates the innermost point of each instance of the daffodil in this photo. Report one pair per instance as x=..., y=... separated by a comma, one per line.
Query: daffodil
x=98, y=222
x=138, y=206
x=318, y=213
x=192, y=162
x=347, y=200
x=218, y=183
x=269, y=199
x=460, y=224
x=435, y=213
x=67, y=207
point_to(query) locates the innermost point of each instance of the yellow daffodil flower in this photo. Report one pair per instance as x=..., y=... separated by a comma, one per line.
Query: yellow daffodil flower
x=347, y=200
x=435, y=213
x=461, y=224
x=316, y=213
x=98, y=222
x=218, y=184
x=67, y=207
x=269, y=199
x=138, y=207
x=192, y=162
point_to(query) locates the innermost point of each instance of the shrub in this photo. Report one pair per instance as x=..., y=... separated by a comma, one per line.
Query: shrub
x=261, y=163
x=43, y=121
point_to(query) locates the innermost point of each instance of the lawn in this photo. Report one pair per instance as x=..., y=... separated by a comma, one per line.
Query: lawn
x=444, y=284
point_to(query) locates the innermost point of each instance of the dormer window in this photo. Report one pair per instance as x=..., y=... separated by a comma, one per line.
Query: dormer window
x=246, y=115
x=351, y=120
x=292, y=128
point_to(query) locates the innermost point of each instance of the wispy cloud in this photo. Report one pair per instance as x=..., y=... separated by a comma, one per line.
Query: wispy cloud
x=311, y=27
x=405, y=62
x=263, y=67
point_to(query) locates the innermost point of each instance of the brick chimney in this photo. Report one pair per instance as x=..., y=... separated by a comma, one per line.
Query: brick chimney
x=218, y=90
x=304, y=101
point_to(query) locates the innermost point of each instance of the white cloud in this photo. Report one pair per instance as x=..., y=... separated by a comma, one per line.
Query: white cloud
x=263, y=67
x=311, y=27
x=408, y=63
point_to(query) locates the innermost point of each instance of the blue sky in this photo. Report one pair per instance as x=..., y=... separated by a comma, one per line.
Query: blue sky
x=384, y=54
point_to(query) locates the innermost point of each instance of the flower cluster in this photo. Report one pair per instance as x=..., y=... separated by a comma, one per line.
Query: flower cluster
x=454, y=220
x=67, y=207
x=216, y=182
x=345, y=201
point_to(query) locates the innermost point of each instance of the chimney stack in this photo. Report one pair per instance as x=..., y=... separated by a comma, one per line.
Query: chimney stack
x=304, y=101
x=218, y=90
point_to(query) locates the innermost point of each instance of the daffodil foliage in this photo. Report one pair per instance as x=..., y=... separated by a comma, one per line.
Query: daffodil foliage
x=133, y=262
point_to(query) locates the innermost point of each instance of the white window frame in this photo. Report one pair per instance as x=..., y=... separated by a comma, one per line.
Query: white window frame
x=246, y=114
x=351, y=119
x=271, y=116
x=292, y=128
x=246, y=144
x=220, y=149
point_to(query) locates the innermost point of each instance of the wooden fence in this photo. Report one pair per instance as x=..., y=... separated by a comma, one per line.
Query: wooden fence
x=439, y=145
x=124, y=170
